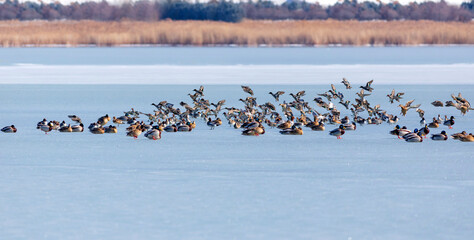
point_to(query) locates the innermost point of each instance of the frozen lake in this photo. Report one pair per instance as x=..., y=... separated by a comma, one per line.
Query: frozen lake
x=219, y=184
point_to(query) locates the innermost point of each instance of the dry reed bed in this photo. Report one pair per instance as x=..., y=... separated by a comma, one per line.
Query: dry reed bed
x=246, y=33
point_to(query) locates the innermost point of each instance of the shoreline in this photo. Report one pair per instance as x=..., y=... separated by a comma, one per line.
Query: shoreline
x=248, y=33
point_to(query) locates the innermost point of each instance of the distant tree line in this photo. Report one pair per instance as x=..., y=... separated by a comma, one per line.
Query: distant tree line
x=228, y=11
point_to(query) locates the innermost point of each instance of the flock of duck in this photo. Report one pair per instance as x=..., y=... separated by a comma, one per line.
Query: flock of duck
x=253, y=116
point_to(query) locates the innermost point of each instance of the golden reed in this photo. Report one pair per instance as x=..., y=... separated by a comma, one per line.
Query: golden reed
x=247, y=33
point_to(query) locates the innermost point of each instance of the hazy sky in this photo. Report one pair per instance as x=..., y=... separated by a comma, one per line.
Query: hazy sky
x=322, y=2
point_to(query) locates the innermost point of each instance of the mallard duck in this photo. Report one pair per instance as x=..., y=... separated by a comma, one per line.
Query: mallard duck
x=407, y=106
x=103, y=120
x=75, y=118
x=62, y=124
x=449, y=122
x=135, y=133
x=338, y=132
x=54, y=125
x=440, y=136
x=237, y=125
x=400, y=132
x=153, y=134
x=199, y=91
x=185, y=128
x=422, y=122
x=77, y=128
x=424, y=131
x=117, y=121
x=67, y=128
x=433, y=124
x=111, y=129
x=94, y=125
x=345, y=120
x=98, y=130
x=250, y=132
x=346, y=83
x=9, y=129
x=256, y=131
x=413, y=137
x=292, y=131
x=467, y=138
x=287, y=124
x=367, y=86
x=212, y=123
x=277, y=95
x=41, y=123
x=318, y=127
x=350, y=126
x=437, y=104
x=457, y=136
x=395, y=97
x=46, y=128
x=247, y=90
x=170, y=128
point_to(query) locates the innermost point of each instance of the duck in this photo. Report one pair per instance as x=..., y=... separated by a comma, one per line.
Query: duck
x=457, y=136
x=134, y=133
x=345, y=120
x=117, y=121
x=285, y=125
x=41, y=123
x=185, y=128
x=403, y=131
x=346, y=83
x=395, y=130
x=433, y=124
x=422, y=122
x=250, y=132
x=75, y=118
x=440, y=136
x=338, y=132
x=9, y=129
x=437, y=104
x=319, y=127
x=467, y=138
x=292, y=131
x=237, y=125
x=62, y=124
x=77, y=128
x=248, y=90
x=424, y=131
x=449, y=122
x=367, y=86
x=46, y=128
x=111, y=129
x=260, y=129
x=103, y=120
x=54, y=125
x=350, y=126
x=170, y=128
x=415, y=136
x=212, y=124
x=277, y=95
x=98, y=130
x=67, y=128
x=153, y=134
x=94, y=125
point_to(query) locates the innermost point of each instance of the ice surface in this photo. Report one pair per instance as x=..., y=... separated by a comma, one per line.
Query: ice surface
x=236, y=74
x=219, y=184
